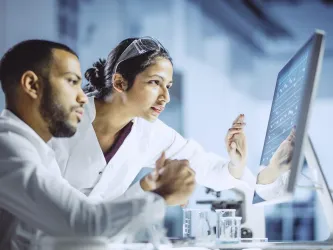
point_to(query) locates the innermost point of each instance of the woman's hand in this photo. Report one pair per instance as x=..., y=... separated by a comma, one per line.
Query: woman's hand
x=237, y=147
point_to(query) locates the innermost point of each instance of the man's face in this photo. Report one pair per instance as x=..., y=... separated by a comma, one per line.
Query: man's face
x=62, y=101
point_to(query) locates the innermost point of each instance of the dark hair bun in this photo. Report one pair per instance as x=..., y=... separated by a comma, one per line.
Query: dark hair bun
x=96, y=75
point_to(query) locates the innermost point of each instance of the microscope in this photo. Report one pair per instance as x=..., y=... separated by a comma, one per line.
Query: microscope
x=253, y=223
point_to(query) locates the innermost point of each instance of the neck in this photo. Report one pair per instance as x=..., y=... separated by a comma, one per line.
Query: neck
x=111, y=116
x=32, y=118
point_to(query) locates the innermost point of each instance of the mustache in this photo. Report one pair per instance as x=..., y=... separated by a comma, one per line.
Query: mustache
x=74, y=108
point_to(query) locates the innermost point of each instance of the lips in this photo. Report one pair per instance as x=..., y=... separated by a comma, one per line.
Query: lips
x=79, y=112
x=158, y=109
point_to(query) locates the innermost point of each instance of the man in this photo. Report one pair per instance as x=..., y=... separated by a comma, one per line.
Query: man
x=41, y=81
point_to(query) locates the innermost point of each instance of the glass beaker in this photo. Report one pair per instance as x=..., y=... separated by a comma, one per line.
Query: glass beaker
x=196, y=224
x=229, y=229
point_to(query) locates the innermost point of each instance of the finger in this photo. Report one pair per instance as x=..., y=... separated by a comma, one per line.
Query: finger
x=291, y=136
x=185, y=172
x=169, y=162
x=237, y=137
x=161, y=171
x=190, y=170
x=231, y=136
x=161, y=161
x=188, y=180
x=191, y=184
x=184, y=162
x=153, y=176
x=236, y=143
x=239, y=125
x=239, y=118
x=232, y=148
x=293, y=131
x=232, y=131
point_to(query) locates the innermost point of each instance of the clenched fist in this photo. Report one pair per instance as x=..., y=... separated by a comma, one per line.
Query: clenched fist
x=174, y=180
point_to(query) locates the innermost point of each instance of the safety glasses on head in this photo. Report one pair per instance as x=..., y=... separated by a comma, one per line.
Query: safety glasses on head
x=136, y=48
x=139, y=47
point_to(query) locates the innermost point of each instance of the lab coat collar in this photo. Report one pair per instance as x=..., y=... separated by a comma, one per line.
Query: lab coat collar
x=29, y=132
x=119, y=160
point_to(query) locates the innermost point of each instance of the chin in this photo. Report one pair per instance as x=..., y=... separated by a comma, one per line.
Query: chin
x=64, y=133
x=150, y=118
x=63, y=130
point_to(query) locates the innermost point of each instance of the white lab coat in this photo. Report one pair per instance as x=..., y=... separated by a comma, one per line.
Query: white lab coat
x=34, y=192
x=83, y=164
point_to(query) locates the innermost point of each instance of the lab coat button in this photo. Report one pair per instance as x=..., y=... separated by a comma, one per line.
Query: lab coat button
x=100, y=172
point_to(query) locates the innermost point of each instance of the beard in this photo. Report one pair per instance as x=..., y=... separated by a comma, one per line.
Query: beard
x=55, y=115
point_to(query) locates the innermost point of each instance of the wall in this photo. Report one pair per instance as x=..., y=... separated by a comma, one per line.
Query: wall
x=20, y=20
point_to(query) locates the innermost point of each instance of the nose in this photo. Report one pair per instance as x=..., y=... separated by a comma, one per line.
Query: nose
x=165, y=96
x=81, y=97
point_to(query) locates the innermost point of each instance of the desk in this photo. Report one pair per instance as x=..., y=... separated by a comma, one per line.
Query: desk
x=264, y=246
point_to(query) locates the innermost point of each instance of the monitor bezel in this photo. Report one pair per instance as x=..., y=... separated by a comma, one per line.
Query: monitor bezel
x=311, y=84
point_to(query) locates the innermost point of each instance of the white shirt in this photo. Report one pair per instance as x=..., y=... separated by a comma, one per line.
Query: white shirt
x=34, y=192
x=83, y=164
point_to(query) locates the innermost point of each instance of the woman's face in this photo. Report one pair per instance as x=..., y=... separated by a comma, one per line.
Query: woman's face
x=150, y=91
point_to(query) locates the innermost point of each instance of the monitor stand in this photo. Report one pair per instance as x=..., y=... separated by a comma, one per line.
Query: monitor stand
x=321, y=184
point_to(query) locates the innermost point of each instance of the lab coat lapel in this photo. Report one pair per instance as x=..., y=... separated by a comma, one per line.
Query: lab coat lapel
x=120, y=168
x=86, y=157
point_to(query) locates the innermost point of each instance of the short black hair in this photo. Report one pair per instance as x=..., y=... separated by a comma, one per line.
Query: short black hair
x=34, y=55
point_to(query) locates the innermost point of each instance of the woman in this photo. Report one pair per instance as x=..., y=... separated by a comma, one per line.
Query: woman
x=120, y=132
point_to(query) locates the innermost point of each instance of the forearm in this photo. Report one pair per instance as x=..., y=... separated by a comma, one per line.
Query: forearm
x=236, y=171
x=50, y=204
x=267, y=176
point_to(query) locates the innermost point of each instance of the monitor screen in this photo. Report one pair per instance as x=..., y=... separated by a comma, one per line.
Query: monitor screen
x=281, y=154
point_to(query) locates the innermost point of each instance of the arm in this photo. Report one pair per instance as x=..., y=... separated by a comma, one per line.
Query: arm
x=274, y=189
x=44, y=200
x=211, y=170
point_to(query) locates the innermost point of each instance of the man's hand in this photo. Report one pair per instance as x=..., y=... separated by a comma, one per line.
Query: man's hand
x=280, y=161
x=235, y=141
x=174, y=180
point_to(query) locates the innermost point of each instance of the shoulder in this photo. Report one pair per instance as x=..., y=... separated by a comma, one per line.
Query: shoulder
x=151, y=128
x=146, y=125
x=15, y=140
x=155, y=133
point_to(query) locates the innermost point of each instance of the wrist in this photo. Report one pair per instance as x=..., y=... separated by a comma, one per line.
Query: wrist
x=235, y=170
x=268, y=175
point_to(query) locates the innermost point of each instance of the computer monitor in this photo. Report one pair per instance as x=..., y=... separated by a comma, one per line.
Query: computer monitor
x=282, y=156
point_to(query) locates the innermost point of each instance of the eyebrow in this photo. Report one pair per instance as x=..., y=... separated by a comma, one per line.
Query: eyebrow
x=160, y=77
x=72, y=73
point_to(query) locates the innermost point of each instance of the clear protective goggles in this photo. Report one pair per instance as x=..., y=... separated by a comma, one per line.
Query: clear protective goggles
x=138, y=47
